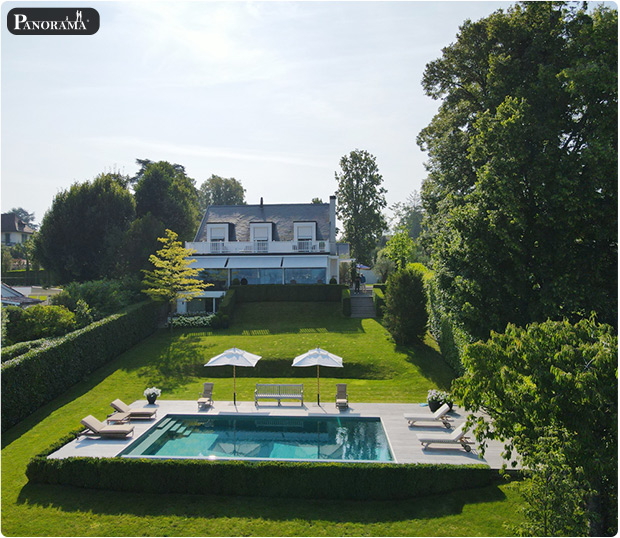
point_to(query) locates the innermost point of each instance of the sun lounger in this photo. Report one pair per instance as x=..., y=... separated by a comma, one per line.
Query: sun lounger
x=134, y=413
x=206, y=398
x=99, y=429
x=439, y=415
x=457, y=436
x=342, y=398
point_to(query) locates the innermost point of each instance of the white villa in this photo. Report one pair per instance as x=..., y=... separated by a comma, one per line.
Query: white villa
x=264, y=244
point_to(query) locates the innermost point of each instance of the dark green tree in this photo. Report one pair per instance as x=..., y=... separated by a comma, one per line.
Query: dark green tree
x=24, y=215
x=521, y=196
x=80, y=234
x=220, y=191
x=317, y=201
x=405, y=315
x=165, y=191
x=551, y=377
x=138, y=242
x=361, y=199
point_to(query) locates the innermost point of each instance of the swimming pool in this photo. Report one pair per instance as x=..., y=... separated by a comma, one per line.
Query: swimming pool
x=264, y=437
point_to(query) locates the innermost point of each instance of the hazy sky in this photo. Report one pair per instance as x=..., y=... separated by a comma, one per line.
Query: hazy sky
x=271, y=93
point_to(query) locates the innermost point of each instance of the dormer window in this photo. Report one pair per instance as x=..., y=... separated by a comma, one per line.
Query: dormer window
x=261, y=235
x=305, y=231
x=217, y=232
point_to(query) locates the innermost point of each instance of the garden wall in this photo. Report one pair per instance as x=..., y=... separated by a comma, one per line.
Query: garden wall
x=36, y=377
x=307, y=480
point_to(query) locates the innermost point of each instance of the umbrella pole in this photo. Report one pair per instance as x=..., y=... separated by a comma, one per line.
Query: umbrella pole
x=318, y=392
x=234, y=385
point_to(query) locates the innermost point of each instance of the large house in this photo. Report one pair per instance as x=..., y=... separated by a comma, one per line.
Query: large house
x=264, y=244
x=14, y=230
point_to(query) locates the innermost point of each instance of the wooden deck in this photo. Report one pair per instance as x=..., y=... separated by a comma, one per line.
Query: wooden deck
x=404, y=444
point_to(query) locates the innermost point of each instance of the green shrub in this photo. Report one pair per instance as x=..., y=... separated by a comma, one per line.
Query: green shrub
x=103, y=297
x=405, y=314
x=227, y=305
x=39, y=321
x=345, y=298
x=40, y=375
x=308, y=480
x=378, y=299
x=191, y=320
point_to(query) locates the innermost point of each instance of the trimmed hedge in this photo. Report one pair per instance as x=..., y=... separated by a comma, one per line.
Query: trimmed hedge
x=21, y=348
x=449, y=336
x=288, y=292
x=40, y=375
x=378, y=299
x=345, y=299
x=21, y=277
x=307, y=480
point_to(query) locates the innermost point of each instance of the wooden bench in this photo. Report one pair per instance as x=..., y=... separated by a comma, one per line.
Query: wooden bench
x=278, y=392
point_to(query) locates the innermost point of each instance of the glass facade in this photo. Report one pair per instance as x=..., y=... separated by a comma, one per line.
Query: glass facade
x=217, y=277
x=305, y=276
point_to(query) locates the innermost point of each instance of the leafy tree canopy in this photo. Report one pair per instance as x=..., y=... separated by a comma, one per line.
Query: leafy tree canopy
x=408, y=215
x=400, y=249
x=361, y=199
x=81, y=232
x=24, y=215
x=317, y=201
x=521, y=194
x=551, y=376
x=172, y=278
x=220, y=191
x=169, y=195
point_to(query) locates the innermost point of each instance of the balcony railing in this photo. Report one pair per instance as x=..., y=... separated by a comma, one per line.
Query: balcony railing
x=303, y=246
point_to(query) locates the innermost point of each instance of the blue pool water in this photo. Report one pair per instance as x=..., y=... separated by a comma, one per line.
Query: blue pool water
x=299, y=438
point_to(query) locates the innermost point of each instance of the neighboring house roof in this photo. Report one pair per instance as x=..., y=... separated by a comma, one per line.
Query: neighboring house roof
x=11, y=297
x=282, y=217
x=12, y=223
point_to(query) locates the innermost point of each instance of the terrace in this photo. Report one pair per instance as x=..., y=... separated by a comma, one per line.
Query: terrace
x=403, y=443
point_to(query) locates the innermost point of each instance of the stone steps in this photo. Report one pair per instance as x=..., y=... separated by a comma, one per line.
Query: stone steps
x=362, y=306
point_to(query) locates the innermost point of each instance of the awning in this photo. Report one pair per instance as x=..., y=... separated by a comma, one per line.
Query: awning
x=293, y=262
x=254, y=262
x=208, y=262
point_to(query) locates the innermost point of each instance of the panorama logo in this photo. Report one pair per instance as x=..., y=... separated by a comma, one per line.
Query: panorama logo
x=53, y=21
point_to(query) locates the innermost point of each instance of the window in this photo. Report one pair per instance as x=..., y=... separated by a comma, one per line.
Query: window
x=257, y=276
x=305, y=276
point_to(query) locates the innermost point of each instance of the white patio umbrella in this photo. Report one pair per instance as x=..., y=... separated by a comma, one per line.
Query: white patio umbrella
x=234, y=357
x=318, y=357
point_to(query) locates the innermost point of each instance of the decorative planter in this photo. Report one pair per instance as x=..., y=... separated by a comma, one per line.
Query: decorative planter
x=151, y=398
x=434, y=405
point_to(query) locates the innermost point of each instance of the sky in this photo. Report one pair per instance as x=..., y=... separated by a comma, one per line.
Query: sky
x=271, y=93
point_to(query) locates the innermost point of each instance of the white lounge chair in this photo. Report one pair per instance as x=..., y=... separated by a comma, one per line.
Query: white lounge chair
x=206, y=398
x=99, y=429
x=342, y=398
x=457, y=436
x=133, y=412
x=439, y=415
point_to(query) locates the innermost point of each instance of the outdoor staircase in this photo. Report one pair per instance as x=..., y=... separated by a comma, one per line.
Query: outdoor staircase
x=362, y=305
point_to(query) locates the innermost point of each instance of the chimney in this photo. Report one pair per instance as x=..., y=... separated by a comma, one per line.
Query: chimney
x=261, y=201
x=332, y=225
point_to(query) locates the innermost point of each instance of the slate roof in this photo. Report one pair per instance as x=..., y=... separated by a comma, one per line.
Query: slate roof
x=282, y=217
x=11, y=223
x=12, y=297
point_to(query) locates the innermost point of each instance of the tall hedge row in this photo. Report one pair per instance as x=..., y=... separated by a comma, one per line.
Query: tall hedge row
x=346, y=302
x=40, y=375
x=451, y=338
x=279, y=292
x=306, y=480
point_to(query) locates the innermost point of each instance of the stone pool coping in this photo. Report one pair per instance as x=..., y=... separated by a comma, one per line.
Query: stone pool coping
x=403, y=442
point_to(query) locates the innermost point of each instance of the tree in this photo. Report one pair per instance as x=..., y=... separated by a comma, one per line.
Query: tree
x=400, y=249
x=139, y=241
x=80, y=234
x=172, y=278
x=383, y=265
x=169, y=195
x=360, y=202
x=521, y=194
x=317, y=201
x=25, y=216
x=551, y=377
x=409, y=215
x=405, y=306
x=220, y=191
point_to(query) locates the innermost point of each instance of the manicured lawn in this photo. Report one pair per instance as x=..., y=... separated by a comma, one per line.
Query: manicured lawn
x=375, y=370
